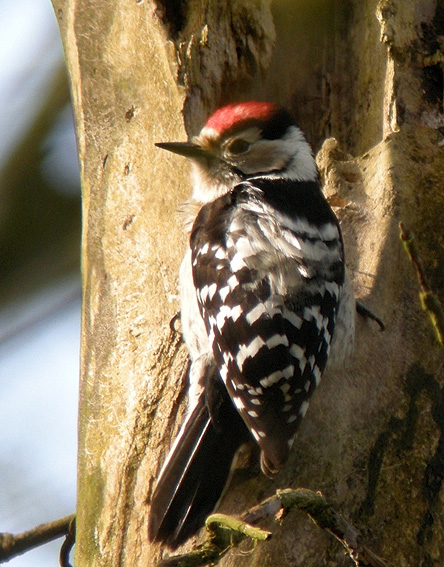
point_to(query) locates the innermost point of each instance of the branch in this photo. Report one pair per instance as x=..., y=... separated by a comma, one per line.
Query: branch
x=13, y=545
x=429, y=301
x=68, y=544
x=326, y=517
x=225, y=532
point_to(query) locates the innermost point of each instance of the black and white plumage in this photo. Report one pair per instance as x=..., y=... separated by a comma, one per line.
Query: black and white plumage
x=263, y=287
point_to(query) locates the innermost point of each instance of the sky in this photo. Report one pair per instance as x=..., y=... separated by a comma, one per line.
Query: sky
x=30, y=51
x=38, y=418
x=39, y=336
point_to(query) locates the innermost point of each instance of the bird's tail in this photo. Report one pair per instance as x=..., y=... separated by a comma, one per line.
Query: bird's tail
x=195, y=472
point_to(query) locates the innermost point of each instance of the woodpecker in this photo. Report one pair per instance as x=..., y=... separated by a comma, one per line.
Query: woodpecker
x=265, y=302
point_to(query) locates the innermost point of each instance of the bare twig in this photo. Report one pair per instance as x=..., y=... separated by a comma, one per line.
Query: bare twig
x=224, y=532
x=68, y=544
x=429, y=301
x=174, y=319
x=13, y=545
x=367, y=314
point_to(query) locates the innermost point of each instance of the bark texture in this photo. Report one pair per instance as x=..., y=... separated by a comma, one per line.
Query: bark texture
x=358, y=73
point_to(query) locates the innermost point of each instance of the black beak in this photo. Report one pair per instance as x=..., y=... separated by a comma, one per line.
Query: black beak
x=187, y=149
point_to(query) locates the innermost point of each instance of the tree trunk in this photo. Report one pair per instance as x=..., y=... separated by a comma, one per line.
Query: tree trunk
x=357, y=71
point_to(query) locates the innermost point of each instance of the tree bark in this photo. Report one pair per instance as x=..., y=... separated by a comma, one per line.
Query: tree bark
x=357, y=71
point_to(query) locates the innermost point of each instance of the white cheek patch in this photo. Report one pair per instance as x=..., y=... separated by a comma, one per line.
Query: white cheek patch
x=264, y=156
x=289, y=157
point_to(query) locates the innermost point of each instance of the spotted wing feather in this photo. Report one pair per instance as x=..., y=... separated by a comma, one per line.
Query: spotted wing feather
x=269, y=301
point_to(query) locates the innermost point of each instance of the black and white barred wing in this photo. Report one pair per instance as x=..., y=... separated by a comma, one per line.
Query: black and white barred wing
x=269, y=311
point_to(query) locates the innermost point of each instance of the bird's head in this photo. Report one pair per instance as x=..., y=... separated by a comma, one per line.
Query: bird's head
x=245, y=140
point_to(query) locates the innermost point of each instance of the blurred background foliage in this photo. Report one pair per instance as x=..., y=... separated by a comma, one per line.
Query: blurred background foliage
x=40, y=220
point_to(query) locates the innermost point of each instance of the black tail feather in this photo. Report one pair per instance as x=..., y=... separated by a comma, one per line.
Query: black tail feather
x=196, y=471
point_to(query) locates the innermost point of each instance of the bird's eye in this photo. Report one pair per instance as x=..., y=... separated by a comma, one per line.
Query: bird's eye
x=238, y=146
